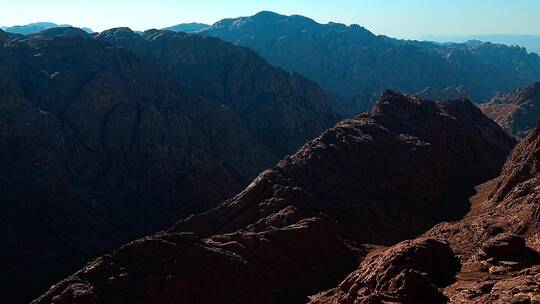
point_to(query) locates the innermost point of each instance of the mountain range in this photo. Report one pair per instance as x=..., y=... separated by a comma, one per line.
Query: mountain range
x=352, y=61
x=300, y=228
x=531, y=42
x=127, y=144
x=37, y=27
x=200, y=164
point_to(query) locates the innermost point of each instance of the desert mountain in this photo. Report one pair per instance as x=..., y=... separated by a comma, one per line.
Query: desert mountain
x=299, y=228
x=517, y=112
x=101, y=144
x=351, y=60
x=497, y=246
x=283, y=109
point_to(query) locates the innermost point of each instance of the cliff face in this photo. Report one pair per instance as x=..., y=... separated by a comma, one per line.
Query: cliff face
x=517, y=112
x=101, y=145
x=298, y=228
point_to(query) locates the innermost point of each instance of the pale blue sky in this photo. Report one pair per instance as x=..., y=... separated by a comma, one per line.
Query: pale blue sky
x=397, y=18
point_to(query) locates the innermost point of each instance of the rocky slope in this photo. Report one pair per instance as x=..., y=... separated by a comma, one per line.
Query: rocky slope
x=101, y=145
x=517, y=112
x=283, y=109
x=351, y=60
x=299, y=228
x=497, y=244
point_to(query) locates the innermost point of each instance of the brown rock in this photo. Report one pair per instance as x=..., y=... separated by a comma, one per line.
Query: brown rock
x=516, y=112
x=409, y=272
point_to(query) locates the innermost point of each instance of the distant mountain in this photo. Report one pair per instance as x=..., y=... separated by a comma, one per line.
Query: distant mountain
x=187, y=27
x=518, y=111
x=37, y=27
x=531, y=42
x=444, y=94
x=350, y=60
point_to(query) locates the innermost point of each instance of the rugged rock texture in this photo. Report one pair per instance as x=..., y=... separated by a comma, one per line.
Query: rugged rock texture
x=499, y=243
x=351, y=60
x=409, y=272
x=100, y=145
x=283, y=109
x=444, y=94
x=385, y=176
x=275, y=266
x=298, y=228
x=516, y=112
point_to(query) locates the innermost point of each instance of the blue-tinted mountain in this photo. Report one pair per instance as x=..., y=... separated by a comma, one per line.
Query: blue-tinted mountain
x=37, y=27
x=187, y=27
x=530, y=42
x=350, y=60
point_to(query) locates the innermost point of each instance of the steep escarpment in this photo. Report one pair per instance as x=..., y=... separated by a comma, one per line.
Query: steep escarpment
x=301, y=227
x=351, y=60
x=517, y=112
x=100, y=146
x=283, y=109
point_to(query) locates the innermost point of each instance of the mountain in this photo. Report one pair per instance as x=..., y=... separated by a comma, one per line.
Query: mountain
x=444, y=94
x=496, y=244
x=125, y=147
x=531, y=42
x=37, y=27
x=187, y=27
x=283, y=109
x=517, y=112
x=299, y=228
x=351, y=60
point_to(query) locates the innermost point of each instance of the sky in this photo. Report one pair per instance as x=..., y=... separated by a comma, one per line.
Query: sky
x=397, y=18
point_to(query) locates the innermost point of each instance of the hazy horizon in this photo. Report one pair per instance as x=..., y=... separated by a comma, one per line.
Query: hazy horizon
x=411, y=20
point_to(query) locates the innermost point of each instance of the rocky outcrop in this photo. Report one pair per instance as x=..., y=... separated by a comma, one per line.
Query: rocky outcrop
x=351, y=60
x=409, y=272
x=300, y=227
x=498, y=244
x=283, y=109
x=516, y=112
